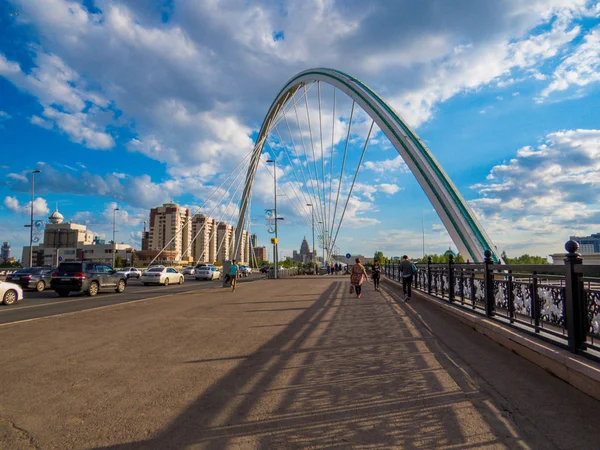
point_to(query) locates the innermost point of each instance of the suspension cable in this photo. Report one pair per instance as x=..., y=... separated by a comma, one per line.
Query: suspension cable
x=354, y=180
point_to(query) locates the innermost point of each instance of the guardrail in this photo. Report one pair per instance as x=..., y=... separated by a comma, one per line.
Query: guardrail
x=283, y=273
x=559, y=304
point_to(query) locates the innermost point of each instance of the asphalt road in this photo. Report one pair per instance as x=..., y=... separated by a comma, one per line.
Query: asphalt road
x=48, y=303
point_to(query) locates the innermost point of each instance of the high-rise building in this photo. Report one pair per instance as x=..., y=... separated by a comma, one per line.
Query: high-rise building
x=5, y=252
x=170, y=229
x=225, y=241
x=204, y=237
x=260, y=253
x=305, y=255
x=588, y=245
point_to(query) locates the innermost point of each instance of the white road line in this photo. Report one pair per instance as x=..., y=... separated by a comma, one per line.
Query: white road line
x=81, y=298
x=94, y=308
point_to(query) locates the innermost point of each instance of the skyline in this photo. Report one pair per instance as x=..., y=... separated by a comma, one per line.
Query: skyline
x=130, y=106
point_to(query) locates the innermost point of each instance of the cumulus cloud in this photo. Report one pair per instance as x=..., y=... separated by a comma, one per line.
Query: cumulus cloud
x=552, y=188
x=40, y=206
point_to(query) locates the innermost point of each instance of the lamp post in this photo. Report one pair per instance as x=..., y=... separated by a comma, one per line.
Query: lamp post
x=312, y=215
x=33, y=172
x=114, y=245
x=275, y=245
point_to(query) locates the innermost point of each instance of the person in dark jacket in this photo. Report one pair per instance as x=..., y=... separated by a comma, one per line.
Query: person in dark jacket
x=376, y=274
x=407, y=269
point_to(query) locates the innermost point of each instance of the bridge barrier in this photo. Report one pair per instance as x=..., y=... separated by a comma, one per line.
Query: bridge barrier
x=558, y=304
x=283, y=273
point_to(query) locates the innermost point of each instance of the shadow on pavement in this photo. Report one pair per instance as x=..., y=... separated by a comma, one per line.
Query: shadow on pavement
x=345, y=372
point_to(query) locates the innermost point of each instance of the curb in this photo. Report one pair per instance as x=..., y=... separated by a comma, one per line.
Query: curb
x=579, y=372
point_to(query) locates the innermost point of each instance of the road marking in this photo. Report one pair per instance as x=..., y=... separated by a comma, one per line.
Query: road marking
x=80, y=298
x=92, y=309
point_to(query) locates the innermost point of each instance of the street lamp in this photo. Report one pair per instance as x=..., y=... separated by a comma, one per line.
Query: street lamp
x=312, y=215
x=33, y=172
x=275, y=245
x=114, y=245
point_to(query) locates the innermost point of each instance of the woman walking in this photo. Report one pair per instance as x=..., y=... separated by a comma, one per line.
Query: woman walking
x=359, y=274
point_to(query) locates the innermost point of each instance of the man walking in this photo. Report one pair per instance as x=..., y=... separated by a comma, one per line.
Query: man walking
x=234, y=270
x=376, y=274
x=407, y=269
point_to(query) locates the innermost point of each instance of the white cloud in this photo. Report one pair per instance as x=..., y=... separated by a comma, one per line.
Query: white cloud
x=580, y=68
x=4, y=116
x=396, y=164
x=40, y=206
x=550, y=189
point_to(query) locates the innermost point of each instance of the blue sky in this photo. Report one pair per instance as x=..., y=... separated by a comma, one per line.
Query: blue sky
x=134, y=104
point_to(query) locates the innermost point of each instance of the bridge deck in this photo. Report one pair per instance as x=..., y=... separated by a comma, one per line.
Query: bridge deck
x=293, y=363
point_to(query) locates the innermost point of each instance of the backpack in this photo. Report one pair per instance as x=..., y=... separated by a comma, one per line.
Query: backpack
x=413, y=268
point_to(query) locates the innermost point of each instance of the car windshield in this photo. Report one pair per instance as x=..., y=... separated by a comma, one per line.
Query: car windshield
x=27, y=270
x=156, y=269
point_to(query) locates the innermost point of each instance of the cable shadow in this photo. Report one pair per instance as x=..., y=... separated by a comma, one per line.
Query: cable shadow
x=344, y=373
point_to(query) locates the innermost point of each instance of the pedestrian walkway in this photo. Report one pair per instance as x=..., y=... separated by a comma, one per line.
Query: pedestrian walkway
x=293, y=363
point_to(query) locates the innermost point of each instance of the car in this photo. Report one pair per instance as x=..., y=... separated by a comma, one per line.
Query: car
x=10, y=293
x=130, y=272
x=265, y=269
x=208, y=273
x=190, y=270
x=37, y=278
x=245, y=271
x=89, y=277
x=165, y=275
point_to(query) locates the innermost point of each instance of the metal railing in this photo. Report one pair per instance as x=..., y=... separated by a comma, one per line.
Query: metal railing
x=283, y=273
x=560, y=304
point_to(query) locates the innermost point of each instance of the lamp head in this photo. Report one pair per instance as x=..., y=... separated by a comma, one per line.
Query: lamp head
x=270, y=160
x=36, y=171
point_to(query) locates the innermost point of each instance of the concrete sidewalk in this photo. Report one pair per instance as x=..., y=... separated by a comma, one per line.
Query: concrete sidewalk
x=293, y=363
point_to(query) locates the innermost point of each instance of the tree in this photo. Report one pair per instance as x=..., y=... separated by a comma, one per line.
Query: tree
x=118, y=262
x=379, y=257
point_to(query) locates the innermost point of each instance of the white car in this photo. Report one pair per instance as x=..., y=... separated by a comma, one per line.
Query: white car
x=208, y=273
x=246, y=270
x=10, y=293
x=191, y=270
x=130, y=272
x=158, y=275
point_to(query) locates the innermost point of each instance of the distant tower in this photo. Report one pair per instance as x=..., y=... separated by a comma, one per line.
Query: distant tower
x=5, y=252
x=56, y=217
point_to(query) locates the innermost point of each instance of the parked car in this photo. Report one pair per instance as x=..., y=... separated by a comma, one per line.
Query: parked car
x=37, y=278
x=191, y=270
x=208, y=273
x=10, y=293
x=87, y=276
x=165, y=275
x=130, y=272
x=265, y=269
x=245, y=271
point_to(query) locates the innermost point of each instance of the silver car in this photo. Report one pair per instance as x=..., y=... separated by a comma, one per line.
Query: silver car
x=208, y=273
x=166, y=276
x=130, y=272
x=190, y=270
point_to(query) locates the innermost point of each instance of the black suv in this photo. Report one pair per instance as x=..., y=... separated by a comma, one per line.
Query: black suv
x=37, y=278
x=87, y=276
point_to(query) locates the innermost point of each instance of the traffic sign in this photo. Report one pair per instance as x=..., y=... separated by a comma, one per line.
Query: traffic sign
x=348, y=255
x=59, y=258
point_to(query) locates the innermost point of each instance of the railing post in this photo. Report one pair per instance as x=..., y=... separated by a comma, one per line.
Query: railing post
x=429, y=275
x=535, y=302
x=576, y=311
x=450, y=278
x=488, y=278
x=511, y=297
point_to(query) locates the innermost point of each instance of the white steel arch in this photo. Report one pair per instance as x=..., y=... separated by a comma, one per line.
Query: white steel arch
x=458, y=218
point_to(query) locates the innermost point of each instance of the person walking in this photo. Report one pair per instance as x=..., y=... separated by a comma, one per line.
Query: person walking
x=234, y=271
x=376, y=274
x=358, y=275
x=407, y=269
x=332, y=269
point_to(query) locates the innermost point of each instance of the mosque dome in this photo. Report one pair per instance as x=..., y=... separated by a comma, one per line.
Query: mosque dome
x=449, y=252
x=56, y=217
